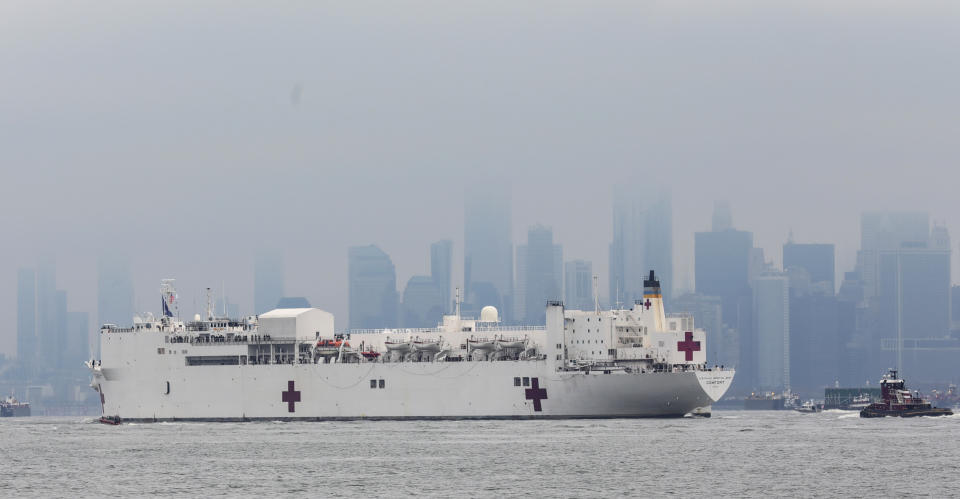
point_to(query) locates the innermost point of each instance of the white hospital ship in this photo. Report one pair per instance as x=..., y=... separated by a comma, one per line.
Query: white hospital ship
x=291, y=364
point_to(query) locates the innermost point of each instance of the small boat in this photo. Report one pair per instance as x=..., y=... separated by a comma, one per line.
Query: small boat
x=511, y=342
x=480, y=344
x=427, y=345
x=370, y=355
x=859, y=403
x=896, y=400
x=110, y=420
x=322, y=343
x=398, y=346
x=808, y=407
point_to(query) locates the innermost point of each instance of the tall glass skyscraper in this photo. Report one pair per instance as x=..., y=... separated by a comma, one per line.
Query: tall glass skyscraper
x=539, y=275
x=488, y=250
x=642, y=241
x=578, y=285
x=441, y=271
x=268, y=281
x=373, y=288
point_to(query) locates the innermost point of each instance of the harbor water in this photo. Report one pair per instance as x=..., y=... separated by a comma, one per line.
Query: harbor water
x=735, y=453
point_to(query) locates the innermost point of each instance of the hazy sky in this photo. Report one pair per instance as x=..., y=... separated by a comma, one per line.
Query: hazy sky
x=190, y=135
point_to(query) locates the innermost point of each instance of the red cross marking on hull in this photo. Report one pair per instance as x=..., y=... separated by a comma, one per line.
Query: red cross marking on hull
x=291, y=397
x=536, y=394
x=688, y=346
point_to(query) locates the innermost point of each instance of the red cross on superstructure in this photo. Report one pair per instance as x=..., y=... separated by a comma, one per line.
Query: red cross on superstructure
x=291, y=397
x=647, y=304
x=688, y=346
x=536, y=394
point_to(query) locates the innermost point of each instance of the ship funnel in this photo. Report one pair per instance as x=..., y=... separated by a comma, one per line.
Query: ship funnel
x=652, y=301
x=168, y=297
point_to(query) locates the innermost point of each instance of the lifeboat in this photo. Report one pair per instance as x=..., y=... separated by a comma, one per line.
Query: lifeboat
x=427, y=345
x=512, y=342
x=322, y=343
x=370, y=355
x=480, y=344
x=398, y=346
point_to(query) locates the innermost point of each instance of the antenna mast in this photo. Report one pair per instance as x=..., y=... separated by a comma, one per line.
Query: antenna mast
x=209, y=304
x=596, y=293
x=899, y=317
x=458, y=302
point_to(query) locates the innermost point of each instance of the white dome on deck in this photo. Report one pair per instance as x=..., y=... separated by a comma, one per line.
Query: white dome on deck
x=489, y=314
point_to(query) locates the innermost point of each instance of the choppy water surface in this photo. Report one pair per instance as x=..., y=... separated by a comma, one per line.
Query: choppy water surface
x=733, y=454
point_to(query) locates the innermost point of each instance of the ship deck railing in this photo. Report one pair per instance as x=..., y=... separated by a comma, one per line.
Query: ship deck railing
x=434, y=330
x=236, y=340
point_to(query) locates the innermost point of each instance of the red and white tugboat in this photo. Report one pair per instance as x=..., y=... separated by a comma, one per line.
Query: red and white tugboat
x=896, y=400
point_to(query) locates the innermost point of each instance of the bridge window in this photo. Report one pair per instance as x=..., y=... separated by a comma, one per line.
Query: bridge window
x=373, y=383
x=516, y=381
x=526, y=381
x=383, y=384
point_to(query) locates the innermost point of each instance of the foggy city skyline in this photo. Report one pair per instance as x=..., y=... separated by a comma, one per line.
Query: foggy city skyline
x=559, y=248
x=188, y=149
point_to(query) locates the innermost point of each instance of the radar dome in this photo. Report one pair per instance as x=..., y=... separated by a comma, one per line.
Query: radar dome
x=489, y=314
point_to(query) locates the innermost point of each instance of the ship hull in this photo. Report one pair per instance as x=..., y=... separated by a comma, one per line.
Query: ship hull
x=443, y=390
x=15, y=411
x=904, y=413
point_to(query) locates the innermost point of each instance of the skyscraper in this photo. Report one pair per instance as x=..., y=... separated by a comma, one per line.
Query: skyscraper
x=642, y=241
x=820, y=325
x=422, y=305
x=722, y=268
x=115, y=296
x=441, y=265
x=268, y=281
x=817, y=259
x=488, y=250
x=914, y=297
x=373, y=288
x=724, y=264
x=49, y=315
x=26, y=316
x=540, y=277
x=771, y=305
x=578, y=285
x=887, y=231
x=59, y=345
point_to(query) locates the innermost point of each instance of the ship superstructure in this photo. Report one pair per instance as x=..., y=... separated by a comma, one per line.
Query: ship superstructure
x=294, y=364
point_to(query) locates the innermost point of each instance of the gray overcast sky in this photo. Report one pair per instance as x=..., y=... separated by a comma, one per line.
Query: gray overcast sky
x=173, y=131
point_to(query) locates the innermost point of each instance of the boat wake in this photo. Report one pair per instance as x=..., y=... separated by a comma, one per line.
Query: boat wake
x=840, y=411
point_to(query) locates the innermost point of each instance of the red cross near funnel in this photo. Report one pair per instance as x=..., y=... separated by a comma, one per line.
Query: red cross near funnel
x=291, y=396
x=688, y=346
x=647, y=304
x=536, y=394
